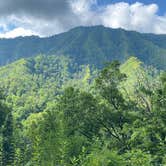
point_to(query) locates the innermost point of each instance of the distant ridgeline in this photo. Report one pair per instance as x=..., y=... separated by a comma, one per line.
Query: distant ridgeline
x=89, y=45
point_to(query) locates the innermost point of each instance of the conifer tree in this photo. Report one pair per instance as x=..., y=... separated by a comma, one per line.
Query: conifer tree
x=8, y=141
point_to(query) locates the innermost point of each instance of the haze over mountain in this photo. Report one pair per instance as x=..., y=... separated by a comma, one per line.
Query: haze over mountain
x=89, y=45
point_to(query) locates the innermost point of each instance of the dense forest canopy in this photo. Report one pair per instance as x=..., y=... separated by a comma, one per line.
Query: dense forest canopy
x=90, y=45
x=56, y=112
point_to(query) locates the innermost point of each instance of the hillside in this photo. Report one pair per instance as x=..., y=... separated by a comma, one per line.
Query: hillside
x=90, y=45
x=58, y=107
x=56, y=112
x=29, y=84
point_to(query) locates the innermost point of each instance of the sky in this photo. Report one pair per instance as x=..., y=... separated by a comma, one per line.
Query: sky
x=49, y=17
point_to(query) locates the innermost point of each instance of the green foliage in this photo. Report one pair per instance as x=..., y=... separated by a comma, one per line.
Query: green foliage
x=104, y=158
x=89, y=45
x=70, y=115
x=8, y=150
x=26, y=81
x=3, y=110
x=137, y=158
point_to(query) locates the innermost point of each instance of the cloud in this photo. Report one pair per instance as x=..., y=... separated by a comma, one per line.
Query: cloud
x=48, y=17
x=136, y=16
x=37, y=8
x=17, y=32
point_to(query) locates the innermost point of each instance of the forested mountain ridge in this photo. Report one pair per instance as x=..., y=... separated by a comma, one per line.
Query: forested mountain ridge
x=89, y=45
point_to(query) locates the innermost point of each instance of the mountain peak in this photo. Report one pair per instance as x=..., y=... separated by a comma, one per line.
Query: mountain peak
x=94, y=45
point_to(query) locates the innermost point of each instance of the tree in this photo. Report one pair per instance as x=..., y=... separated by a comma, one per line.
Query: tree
x=115, y=111
x=3, y=110
x=108, y=83
x=8, y=149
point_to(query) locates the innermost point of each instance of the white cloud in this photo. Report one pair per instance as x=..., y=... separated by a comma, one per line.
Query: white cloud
x=81, y=6
x=17, y=32
x=136, y=16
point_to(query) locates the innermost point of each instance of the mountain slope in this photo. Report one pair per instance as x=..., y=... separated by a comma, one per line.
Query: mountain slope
x=30, y=84
x=90, y=45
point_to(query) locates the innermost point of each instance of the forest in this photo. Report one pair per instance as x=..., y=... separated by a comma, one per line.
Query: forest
x=55, y=112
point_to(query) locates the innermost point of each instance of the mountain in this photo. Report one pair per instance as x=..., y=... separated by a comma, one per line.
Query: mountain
x=90, y=45
x=58, y=108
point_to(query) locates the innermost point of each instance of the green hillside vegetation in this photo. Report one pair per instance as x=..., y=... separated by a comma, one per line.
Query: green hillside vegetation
x=133, y=69
x=90, y=45
x=55, y=112
x=31, y=83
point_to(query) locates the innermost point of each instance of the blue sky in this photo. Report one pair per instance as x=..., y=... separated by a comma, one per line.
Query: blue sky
x=45, y=18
